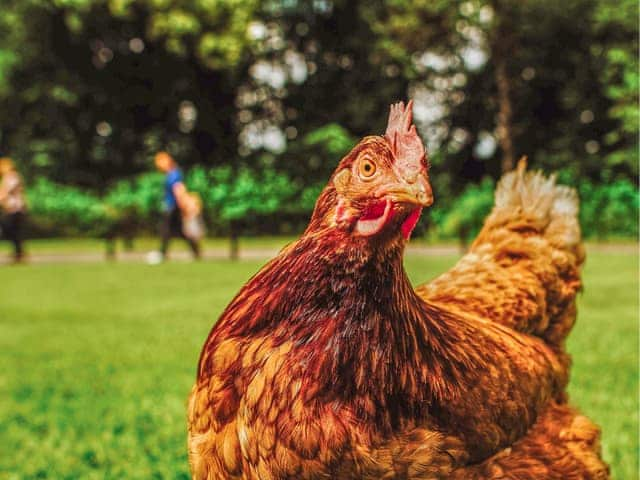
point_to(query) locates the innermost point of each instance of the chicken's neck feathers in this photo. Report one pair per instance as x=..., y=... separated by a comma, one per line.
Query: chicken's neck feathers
x=353, y=316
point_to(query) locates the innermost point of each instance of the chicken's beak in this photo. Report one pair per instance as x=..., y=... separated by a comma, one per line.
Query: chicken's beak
x=414, y=190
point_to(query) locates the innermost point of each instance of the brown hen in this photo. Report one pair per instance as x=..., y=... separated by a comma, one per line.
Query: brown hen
x=327, y=364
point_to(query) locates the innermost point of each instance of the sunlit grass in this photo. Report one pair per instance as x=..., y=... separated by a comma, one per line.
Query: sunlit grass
x=97, y=361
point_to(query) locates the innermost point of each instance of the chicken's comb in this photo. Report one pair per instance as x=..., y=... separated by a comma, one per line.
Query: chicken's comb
x=403, y=138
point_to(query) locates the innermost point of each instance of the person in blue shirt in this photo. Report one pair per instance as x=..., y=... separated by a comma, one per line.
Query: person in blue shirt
x=175, y=194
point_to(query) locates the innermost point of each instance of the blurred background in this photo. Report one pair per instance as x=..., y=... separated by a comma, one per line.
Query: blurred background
x=264, y=97
x=257, y=101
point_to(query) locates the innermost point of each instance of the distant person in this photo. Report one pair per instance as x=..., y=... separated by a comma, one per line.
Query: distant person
x=178, y=204
x=13, y=206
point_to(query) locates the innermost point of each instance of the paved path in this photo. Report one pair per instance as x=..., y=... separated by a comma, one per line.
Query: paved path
x=264, y=253
x=182, y=256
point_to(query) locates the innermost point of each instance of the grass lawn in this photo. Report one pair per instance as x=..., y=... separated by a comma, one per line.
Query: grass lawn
x=97, y=361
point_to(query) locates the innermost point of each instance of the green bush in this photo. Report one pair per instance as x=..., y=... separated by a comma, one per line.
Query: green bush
x=231, y=196
x=609, y=210
x=67, y=210
x=464, y=219
x=140, y=197
x=132, y=205
x=606, y=211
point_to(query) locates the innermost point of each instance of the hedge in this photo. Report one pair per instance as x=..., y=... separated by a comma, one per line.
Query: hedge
x=135, y=204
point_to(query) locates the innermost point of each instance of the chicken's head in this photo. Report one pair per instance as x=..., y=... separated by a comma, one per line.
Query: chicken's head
x=380, y=186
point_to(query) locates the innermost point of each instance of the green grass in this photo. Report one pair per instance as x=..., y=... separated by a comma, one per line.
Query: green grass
x=97, y=361
x=604, y=345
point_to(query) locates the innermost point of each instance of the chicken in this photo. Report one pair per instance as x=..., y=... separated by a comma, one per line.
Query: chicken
x=328, y=364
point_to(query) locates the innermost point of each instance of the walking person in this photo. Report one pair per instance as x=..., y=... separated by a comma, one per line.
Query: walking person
x=177, y=205
x=13, y=206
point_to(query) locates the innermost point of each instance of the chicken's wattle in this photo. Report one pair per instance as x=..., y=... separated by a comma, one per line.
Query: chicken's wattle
x=410, y=223
x=374, y=218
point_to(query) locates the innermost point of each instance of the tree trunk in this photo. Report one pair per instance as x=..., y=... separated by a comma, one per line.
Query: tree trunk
x=234, y=245
x=110, y=248
x=463, y=239
x=502, y=49
x=505, y=113
x=127, y=241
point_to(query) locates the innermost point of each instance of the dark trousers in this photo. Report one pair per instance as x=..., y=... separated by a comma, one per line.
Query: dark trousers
x=12, y=230
x=172, y=227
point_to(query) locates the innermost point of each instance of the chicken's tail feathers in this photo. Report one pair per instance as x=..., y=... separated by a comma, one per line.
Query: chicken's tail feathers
x=523, y=268
x=533, y=202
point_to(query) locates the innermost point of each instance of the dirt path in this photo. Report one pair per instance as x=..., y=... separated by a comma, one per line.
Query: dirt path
x=183, y=256
x=263, y=254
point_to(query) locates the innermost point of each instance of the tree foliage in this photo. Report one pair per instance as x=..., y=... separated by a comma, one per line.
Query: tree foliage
x=260, y=99
x=99, y=85
x=616, y=22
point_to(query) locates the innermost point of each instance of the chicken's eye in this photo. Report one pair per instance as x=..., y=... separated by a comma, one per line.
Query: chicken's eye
x=367, y=168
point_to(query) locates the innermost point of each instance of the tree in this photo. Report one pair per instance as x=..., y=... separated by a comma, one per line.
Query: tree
x=289, y=86
x=530, y=75
x=100, y=85
x=314, y=67
x=617, y=27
